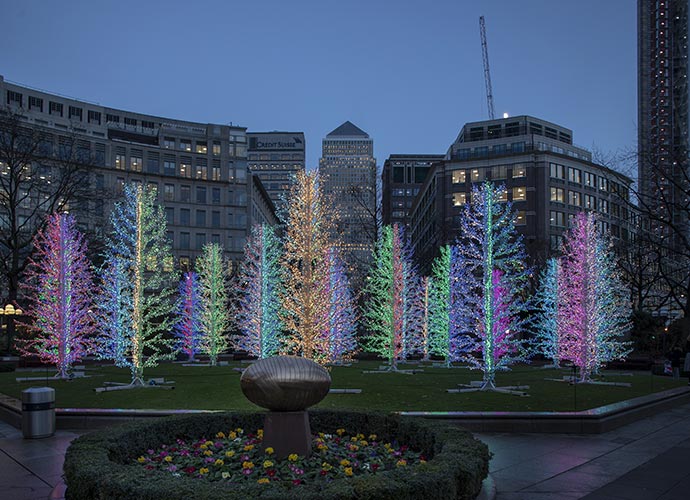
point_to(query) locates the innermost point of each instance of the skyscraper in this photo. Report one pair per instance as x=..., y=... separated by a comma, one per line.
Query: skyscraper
x=348, y=171
x=663, y=111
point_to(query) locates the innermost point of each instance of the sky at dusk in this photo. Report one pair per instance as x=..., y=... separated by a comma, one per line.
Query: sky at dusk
x=407, y=72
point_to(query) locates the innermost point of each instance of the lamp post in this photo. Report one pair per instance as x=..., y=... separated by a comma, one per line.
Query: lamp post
x=9, y=311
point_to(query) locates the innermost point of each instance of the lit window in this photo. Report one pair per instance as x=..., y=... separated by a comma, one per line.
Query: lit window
x=459, y=199
x=520, y=218
x=459, y=177
x=519, y=170
x=519, y=194
x=557, y=194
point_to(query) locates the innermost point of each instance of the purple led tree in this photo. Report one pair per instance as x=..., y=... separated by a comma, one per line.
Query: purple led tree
x=58, y=281
x=544, y=323
x=423, y=301
x=339, y=335
x=491, y=281
x=259, y=316
x=188, y=326
x=215, y=316
x=596, y=301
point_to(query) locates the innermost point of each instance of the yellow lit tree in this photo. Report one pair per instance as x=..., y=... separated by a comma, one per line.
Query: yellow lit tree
x=306, y=300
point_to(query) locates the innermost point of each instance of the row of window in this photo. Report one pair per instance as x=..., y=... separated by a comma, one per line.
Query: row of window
x=576, y=198
x=517, y=194
x=184, y=169
x=275, y=157
x=499, y=172
x=183, y=194
x=588, y=179
x=235, y=220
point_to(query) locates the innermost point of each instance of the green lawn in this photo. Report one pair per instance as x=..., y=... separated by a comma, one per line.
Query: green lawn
x=219, y=388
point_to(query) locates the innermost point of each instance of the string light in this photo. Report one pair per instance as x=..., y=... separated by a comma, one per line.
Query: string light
x=214, y=320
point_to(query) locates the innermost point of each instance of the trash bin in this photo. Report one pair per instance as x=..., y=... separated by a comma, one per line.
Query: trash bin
x=38, y=412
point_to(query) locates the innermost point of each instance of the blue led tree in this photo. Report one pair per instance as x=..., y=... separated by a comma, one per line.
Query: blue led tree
x=114, y=312
x=259, y=315
x=544, y=322
x=188, y=326
x=341, y=325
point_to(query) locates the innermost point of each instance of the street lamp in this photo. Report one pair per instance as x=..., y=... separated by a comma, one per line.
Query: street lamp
x=10, y=311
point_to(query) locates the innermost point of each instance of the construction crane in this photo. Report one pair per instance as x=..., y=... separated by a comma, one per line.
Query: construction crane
x=487, y=73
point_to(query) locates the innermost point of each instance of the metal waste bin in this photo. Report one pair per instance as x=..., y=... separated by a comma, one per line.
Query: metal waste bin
x=38, y=412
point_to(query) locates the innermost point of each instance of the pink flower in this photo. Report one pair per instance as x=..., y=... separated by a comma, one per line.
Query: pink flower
x=246, y=472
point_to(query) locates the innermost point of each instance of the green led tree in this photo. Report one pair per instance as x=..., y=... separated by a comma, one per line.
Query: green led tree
x=215, y=315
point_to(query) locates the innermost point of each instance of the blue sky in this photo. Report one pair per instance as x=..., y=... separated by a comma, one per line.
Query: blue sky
x=407, y=72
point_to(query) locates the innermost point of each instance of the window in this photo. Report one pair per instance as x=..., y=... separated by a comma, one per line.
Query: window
x=130, y=121
x=615, y=210
x=185, y=145
x=200, y=241
x=37, y=103
x=557, y=194
x=557, y=171
x=574, y=199
x=459, y=199
x=555, y=241
x=499, y=172
x=201, y=172
x=398, y=174
x=147, y=124
x=216, y=148
x=15, y=98
x=603, y=184
x=75, y=113
x=200, y=194
x=112, y=118
x=135, y=163
x=201, y=218
x=169, y=192
x=459, y=177
x=55, y=108
x=519, y=194
x=590, y=202
x=574, y=175
x=604, y=206
x=241, y=174
x=590, y=180
x=215, y=173
x=215, y=218
x=93, y=117
x=169, y=142
x=152, y=165
x=153, y=187
x=169, y=167
x=201, y=147
x=170, y=235
x=185, y=194
x=170, y=215
x=519, y=170
x=477, y=175
x=184, y=242
x=557, y=218
x=185, y=170
x=502, y=194
x=520, y=218
x=120, y=162
x=215, y=238
x=215, y=196
x=184, y=216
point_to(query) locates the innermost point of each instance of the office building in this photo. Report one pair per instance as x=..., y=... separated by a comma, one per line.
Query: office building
x=401, y=179
x=275, y=158
x=546, y=177
x=347, y=169
x=199, y=169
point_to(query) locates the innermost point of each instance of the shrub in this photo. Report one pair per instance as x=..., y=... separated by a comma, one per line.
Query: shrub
x=101, y=465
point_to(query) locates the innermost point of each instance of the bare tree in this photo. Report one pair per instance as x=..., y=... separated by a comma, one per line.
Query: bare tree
x=39, y=174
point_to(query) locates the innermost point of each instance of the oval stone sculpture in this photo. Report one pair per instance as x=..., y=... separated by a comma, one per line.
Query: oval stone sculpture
x=285, y=383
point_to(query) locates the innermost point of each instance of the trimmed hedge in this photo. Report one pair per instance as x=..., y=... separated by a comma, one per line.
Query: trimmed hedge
x=101, y=465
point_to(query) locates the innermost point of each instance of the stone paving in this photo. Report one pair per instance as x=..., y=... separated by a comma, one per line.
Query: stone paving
x=648, y=459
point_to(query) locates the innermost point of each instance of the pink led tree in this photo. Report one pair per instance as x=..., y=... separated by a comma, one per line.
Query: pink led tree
x=57, y=284
x=596, y=301
x=188, y=327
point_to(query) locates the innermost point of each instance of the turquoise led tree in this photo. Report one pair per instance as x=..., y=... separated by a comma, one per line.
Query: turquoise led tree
x=544, y=323
x=340, y=327
x=136, y=295
x=214, y=320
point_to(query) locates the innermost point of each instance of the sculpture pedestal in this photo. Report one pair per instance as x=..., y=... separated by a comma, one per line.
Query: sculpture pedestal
x=287, y=432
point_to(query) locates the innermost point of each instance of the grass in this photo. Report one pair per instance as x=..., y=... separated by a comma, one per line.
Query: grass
x=219, y=388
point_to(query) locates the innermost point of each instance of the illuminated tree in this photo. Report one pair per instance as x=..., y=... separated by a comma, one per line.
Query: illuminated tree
x=596, y=302
x=215, y=316
x=423, y=300
x=544, y=323
x=114, y=313
x=389, y=309
x=58, y=280
x=188, y=326
x=340, y=334
x=137, y=249
x=259, y=315
x=306, y=301
x=491, y=282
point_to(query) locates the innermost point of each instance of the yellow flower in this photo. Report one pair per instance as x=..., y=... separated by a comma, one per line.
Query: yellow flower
x=209, y=443
x=220, y=435
x=326, y=466
x=168, y=458
x=239, y=430
x=249, y=447
x=321, y=435
x=269, y=451
x=203, y=447
x=232, y=435
x=422, y=461
x=292, y=457
x=218, y=462
x=260, y=433
x=203, y=470
x=321, y=447
x=267, y=464
x=340, y=432
x=225, y=475
x=360, y=436
x=348, y=471
x=264, y=480
x=141, y=460
x=247, y=465
x=344, y=462
x=372, y=437
x=229, y=454
x=353, y=439
x=363, y=443
x=401, y=463
x=208, y=453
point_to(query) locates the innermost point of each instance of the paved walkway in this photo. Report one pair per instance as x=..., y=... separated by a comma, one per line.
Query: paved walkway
x=648, y=459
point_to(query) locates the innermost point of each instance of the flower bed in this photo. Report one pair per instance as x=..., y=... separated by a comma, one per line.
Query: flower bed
x=129, y=462
x=237, y=456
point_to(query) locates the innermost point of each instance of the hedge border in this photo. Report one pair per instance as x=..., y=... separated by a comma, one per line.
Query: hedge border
x=100, y=465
